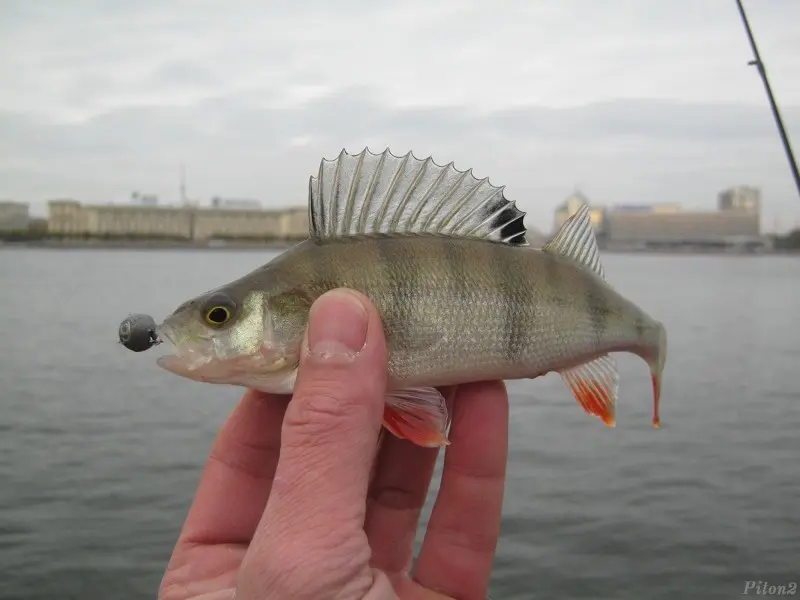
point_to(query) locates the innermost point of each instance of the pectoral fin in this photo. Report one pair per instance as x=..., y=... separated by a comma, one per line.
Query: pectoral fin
x=418, y=415
x=595, y=385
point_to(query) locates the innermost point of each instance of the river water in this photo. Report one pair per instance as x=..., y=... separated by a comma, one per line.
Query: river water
x=100, y=450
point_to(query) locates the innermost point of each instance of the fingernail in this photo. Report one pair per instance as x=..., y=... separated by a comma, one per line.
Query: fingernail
x=337, y=325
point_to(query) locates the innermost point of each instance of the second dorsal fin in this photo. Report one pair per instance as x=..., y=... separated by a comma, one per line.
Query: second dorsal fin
x=368, y=193
x=575, y=240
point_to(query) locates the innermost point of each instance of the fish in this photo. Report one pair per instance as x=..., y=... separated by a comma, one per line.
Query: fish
x=463, y=296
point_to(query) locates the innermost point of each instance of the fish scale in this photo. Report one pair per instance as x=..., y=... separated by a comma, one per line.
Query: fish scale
x=451, y=290
x=444, y=257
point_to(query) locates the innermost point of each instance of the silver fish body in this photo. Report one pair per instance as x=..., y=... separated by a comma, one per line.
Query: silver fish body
x=463, y=298
x=460, y=310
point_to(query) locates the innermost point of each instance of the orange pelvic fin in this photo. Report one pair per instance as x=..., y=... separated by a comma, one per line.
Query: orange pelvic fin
x=418, y=415
x=594, y=385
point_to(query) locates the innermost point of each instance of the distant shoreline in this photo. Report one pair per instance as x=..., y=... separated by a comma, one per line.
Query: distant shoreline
x=147, y=244
x=280, y=245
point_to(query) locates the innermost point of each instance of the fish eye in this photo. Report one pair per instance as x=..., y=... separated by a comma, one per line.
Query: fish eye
x=218, y=310
x=218, y=315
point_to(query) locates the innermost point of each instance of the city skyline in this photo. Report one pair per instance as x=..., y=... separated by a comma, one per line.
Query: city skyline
x=734, y=225
x=633, y=102
x=138, y=198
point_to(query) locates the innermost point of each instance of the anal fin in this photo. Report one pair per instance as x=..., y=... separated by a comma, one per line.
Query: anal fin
x=594, y=385
x=417, y=414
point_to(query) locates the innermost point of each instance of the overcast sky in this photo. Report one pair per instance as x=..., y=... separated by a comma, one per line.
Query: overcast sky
x=631, y=100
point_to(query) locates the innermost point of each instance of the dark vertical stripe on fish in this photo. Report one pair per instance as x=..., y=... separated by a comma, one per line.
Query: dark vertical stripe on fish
x=320, y=267
x=598, y=309
x=553, y=276
x=397, y=310
x=511, y=284
x=455, y=260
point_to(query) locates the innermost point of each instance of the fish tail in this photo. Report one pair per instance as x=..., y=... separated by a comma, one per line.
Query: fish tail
x=656, y=358
x=595, y=383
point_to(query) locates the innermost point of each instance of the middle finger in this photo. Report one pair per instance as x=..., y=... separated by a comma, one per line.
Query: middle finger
x=396, y=496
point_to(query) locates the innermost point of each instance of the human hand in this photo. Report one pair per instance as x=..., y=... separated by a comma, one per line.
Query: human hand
x=286, y=508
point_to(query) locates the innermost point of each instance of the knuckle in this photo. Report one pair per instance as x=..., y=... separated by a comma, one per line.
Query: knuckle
x=305, y=568
x=320, y=407
x=479, y=541
x=396, y=497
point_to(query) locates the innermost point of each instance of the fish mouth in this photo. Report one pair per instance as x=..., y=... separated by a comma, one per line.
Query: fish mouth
x=203, y=368
x=258, y=371
x=165, y=333
x=189, y=353
x=196, y=358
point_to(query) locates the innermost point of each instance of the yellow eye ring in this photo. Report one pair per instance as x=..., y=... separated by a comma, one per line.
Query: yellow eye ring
x=218, y=315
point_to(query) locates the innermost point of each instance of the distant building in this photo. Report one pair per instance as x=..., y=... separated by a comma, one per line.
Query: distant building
x=14, y=216
x=571, y=205
x=69, y=217
x=633, y=208
x=236, y=203
x=145, y=199
x=239, y=222
x=640, y=225
x=660, y=208
x=642, y=228
x=742, y=198
x=738, y=217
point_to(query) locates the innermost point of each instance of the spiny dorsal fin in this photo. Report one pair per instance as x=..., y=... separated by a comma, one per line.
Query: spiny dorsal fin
x=575, y=239
x=370, y=193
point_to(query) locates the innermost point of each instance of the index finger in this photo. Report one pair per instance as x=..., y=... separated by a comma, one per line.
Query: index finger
x=457, y=554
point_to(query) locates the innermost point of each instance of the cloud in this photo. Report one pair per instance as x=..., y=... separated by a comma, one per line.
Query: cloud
x=632, y=100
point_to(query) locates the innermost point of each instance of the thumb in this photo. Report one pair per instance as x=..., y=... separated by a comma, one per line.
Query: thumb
x=313, y=527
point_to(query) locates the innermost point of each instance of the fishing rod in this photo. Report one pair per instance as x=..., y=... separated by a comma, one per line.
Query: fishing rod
x=762, y=70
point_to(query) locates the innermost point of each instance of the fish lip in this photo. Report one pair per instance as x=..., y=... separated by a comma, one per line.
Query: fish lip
x=165, y=333
x=185, y=361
